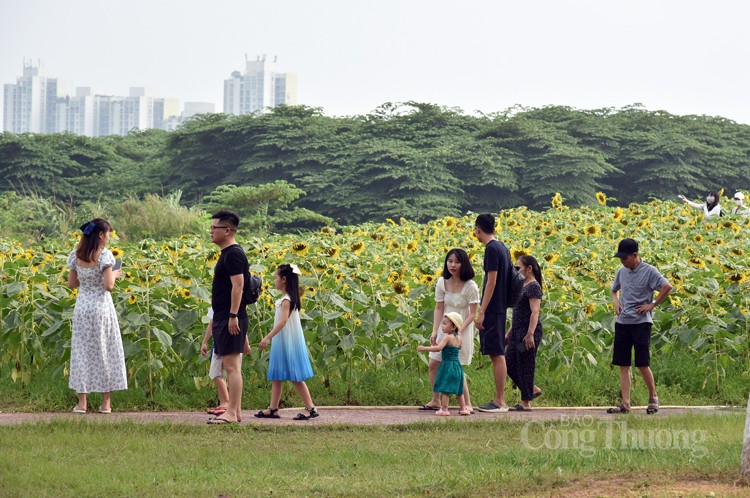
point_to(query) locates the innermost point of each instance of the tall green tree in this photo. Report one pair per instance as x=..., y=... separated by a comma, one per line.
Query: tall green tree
x=264, y=207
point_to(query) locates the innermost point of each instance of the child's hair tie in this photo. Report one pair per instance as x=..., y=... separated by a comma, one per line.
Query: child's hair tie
x=295, y=269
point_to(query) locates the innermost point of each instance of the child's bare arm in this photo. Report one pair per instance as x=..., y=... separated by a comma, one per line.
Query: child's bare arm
x=436, y=348
x=206, y=335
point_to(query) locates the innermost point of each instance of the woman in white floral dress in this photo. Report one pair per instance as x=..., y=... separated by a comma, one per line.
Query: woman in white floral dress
x=455, y=291
x=97, y=360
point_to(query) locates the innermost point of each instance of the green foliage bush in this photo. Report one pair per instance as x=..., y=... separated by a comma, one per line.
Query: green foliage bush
x=156, y=217
x=416, y=160
x=32, y=217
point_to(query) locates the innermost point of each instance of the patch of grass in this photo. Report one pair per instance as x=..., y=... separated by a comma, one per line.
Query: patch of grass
x=80, y=458
x=677, y=380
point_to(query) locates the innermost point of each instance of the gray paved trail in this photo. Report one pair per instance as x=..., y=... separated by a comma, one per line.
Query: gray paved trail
x=361, y=415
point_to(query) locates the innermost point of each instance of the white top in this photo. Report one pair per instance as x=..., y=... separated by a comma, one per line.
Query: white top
x=458, y=302
x=713, y=213
x=740, y=210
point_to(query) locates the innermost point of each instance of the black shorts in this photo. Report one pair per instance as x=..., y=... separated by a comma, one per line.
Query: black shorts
x=225, y=342
x=492, y=337
x=629, y=336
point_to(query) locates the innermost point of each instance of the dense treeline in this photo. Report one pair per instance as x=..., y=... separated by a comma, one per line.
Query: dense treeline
x=415, y=160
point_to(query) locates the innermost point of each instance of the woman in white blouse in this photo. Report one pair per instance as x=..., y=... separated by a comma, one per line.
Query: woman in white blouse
x=455, y=291
x=711, y=209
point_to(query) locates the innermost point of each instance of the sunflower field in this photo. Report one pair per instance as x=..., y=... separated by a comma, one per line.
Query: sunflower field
x=368, y=292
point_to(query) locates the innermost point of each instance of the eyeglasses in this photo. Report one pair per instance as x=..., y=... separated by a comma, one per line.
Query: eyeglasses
x=736, y=198
x=216, y=228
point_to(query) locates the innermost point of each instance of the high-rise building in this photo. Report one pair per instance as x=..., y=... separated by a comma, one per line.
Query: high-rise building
x=30, y=105
x=259, y=88
x=37, y=103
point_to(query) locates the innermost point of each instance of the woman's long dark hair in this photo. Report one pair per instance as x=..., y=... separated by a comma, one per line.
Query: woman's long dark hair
x=716, y=200
x=535, y=269
x=292, y=284
x=467, y=272
x=89, y=243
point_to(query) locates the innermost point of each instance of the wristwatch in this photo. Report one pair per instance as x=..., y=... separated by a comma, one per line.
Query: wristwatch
x=232, y=315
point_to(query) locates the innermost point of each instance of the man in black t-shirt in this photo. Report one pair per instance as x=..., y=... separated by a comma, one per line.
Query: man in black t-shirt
x=230, y=316
x=492, y=312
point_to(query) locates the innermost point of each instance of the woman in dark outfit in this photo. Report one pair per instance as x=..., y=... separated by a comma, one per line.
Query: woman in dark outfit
x=525, y=333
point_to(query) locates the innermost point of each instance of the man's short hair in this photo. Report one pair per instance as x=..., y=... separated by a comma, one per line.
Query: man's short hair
x=229, y=217
x=486, y=223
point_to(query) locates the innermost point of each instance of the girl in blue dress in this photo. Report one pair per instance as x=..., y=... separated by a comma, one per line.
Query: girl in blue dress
x=450, y=374
x=289, y=358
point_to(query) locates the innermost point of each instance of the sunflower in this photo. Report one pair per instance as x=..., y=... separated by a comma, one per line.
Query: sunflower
x=737, y=278
x=400, y=288
x=551, y=258
x=117, y=253
x=357, y=248
x=328, y=230
x=738, y=251
x=601, y=198
x=698, y=237
x=517, y=253
x=185, y=293
x=618, y=214
x=412, y=246
x=593, y=230
x=675, y=301
x=570, y=239
x=557, y=200
x=132, y=299
x=300, y=248
x=697, y=262
x=450, y=221
x=333, y=251
x=393, y=277
x=590, y=309
x=426, y=279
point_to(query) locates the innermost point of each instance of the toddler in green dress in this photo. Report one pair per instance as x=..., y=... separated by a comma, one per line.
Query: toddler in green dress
x=450, y=375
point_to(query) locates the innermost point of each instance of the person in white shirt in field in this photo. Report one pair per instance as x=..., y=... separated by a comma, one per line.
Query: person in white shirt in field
x=711, y=209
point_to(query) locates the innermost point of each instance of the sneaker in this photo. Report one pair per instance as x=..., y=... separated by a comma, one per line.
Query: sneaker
x=492, y=407
x=442, y=413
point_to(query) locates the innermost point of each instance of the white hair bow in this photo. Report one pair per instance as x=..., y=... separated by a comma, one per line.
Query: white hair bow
x=295, y=269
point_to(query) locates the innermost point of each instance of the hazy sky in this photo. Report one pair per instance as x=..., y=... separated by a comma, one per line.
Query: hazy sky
x=685, y=57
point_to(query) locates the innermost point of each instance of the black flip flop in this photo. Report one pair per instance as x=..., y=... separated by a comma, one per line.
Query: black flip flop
x=519, y=408
x=426, y=408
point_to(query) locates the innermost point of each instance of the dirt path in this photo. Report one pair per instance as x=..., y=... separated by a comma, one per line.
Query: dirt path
x=358, y=415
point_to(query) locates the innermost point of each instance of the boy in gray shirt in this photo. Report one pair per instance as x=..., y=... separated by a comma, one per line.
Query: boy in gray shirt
x=635, y=282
